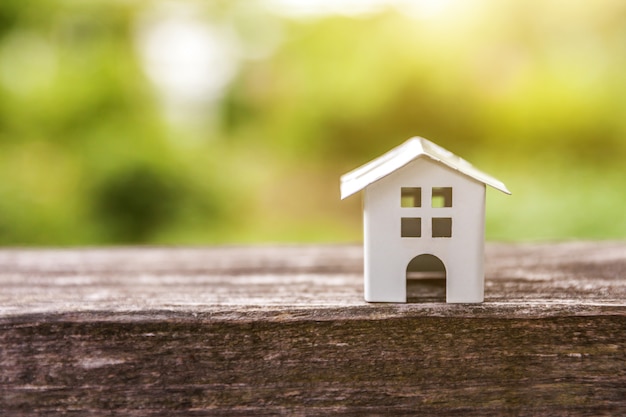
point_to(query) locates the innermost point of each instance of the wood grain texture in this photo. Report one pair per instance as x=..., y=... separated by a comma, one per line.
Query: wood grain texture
x=285, y=330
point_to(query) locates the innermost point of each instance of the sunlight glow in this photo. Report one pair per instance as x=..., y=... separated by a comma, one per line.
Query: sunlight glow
x=189, y=59
x=422, y=9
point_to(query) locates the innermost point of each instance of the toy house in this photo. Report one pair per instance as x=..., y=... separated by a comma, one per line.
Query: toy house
x=423, y=212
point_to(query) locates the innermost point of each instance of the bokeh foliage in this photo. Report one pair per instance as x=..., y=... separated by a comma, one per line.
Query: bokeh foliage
x=531, y=92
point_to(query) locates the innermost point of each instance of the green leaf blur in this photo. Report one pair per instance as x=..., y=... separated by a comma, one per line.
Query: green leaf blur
x=94, y=149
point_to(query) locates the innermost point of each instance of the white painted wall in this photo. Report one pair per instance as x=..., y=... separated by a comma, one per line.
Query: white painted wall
x=387, y=254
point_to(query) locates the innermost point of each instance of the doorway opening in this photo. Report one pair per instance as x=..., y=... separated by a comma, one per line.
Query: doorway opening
x=425, y=280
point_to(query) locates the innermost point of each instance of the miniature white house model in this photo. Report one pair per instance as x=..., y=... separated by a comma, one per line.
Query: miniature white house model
x=423, y=210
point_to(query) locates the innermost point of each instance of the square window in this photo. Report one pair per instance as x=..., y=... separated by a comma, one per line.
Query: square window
x=411, y=227
x=442, y=227
x=442, y=197
x=411, y=197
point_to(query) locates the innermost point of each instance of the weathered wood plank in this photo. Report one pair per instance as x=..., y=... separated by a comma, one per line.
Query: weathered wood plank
x=284, y=330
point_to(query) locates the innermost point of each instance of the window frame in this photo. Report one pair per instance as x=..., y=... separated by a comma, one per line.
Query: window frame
x=406, y=227
x=413, y=193
x=443, y=194
x=441, y=227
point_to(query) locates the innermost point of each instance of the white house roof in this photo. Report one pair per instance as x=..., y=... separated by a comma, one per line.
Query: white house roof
x=356, y=180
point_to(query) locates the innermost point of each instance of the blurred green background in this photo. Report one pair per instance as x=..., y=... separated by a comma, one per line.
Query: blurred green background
x=202, y=122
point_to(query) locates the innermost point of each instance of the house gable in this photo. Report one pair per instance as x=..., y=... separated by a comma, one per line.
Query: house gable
x=383, y=202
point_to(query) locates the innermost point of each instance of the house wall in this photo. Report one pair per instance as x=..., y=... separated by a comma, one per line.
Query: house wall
x=387, y=254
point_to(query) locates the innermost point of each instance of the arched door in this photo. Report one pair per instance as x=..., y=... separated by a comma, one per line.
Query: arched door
x=425, y=279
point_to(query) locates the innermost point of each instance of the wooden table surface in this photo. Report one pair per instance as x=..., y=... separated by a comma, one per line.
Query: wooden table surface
x=284, y=330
